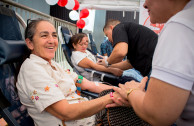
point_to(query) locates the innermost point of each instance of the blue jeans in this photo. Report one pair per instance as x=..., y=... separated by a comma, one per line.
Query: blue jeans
x=133, y=73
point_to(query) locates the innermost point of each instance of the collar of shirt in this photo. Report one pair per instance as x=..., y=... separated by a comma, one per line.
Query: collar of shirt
x=41, y=60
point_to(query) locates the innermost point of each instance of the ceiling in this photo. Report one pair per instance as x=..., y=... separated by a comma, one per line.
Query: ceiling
x=116, y=5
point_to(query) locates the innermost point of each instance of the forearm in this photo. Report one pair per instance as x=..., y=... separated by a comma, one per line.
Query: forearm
x=136, y=99
x=65, y=111
x=146, y=111
x=94, y=86
x=88, y=108
x=123, y=65
x=99, y=87
x=86, y=63
x=119, y=52
x=101, y=68
x=114, y=58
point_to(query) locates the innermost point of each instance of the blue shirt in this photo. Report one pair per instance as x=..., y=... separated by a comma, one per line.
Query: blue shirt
x=106, y=47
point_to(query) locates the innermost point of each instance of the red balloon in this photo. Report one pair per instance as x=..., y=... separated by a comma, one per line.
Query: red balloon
x=62, y=3
x=76, y=5
x=80, y=23
x=84, y=13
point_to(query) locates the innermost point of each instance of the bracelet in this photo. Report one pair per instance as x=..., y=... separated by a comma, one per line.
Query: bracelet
x=106, y=62
x=131, y=90
x=78, y=84
x=111, y=94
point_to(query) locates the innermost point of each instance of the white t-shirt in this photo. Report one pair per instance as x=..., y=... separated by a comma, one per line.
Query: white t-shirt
x=40, y=85
x=173, y=60
x=77, y=56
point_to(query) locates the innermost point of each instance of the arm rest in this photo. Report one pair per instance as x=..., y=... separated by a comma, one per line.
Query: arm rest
x=106, y=77
x=11, y=51
x=88, y=93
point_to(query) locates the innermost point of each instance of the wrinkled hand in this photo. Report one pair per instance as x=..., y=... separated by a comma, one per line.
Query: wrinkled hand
x=122, y=90
x=102, y=61
x=116, y=71
x=118, y=101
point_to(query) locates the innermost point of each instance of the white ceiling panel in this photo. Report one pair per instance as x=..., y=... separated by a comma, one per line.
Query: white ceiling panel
x=117, y=5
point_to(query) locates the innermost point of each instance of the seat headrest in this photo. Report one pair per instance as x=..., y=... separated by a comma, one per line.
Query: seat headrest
x=11, y=51
x=9, y=26
x=65, y=30
x=66, y=34
x=67, y=38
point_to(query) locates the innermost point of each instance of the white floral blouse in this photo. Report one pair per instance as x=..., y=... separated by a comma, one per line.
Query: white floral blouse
x=41, y=84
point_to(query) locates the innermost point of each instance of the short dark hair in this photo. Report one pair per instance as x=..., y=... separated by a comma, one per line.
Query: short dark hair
x=76, y=39
x=111, y=22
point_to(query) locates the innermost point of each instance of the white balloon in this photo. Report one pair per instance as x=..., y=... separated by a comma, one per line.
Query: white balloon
x=70, y=4
x=73, y=15
x=86, y=21
x=52, y=2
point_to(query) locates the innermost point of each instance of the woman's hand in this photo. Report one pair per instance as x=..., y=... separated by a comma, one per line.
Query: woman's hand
x=117, y=101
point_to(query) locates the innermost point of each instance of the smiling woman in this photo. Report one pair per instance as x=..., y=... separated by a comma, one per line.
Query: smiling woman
x=47, y=90
x=44, y=43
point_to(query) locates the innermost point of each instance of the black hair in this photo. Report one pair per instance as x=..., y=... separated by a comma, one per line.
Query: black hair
x=75, y=39
x=111, y=22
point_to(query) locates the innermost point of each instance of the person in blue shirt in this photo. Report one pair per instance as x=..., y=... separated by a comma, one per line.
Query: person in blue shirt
x=106, y=48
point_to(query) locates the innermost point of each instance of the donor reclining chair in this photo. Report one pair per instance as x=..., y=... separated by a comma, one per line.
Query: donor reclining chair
x=92, y=44
x=12, y=47
x=64, y=37
x=67, y=52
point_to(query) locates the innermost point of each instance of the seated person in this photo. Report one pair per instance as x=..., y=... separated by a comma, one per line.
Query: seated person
x=48, y=91
x=81, y=58
x=106, y=47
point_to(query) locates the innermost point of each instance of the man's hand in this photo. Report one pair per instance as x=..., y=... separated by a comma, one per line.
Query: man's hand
x=122, y=92
x=130, y=85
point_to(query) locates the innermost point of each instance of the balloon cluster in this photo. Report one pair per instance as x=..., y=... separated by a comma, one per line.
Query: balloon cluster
x=73, y=5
